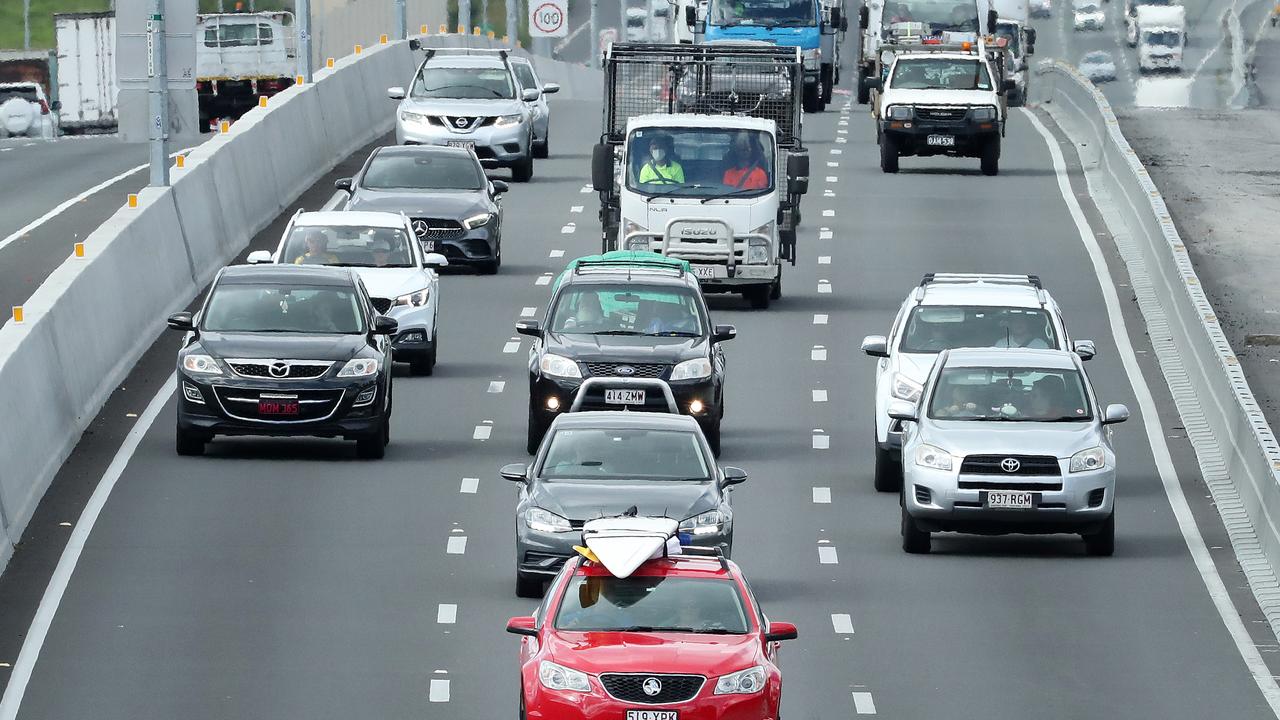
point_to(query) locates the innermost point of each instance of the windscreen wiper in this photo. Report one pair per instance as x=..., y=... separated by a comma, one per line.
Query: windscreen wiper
x=731, y=193
x=673, y=333
x=673, y=191
x=616, y=332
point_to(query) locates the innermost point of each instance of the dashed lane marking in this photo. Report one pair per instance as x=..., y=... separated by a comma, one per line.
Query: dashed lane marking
x=497, y=386
x=819, y=395
x=822, y=495
x=863, y=704
x=821, y=441
x=482, y=432
x=828, y=213
x=469, y=486
x=833, y=178
x=818, y=353
x=827, y=555
x=512, y=347
x=568, y=229
x=842, y=623
x=825, y=234
x=556, y=254
x=528, y=312
x=585, y=189
x=439, y=692
x=575, y=209
x=828, y=193
x=824, y=259
x=831, y=163
x=447, y=614
x=544, y=279
x=457, y=545
x=824, y=287
x=836, y=151
x=819, y=318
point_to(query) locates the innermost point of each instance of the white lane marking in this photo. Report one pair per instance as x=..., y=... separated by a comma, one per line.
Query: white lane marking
x=457, y=545
x=1213, y=583
x=528, y=312
x=827, y=555
x=8, y=149
x=52, y=598
x=821, y=441
x=842, y=623
x=843, y=123
x=544, y=279
x=819, y=395
x=832, y=164
x=824, y=287
x=339, y=196
x=556, y=254
x=841, y=141
x=836, y=151
x=842, y=131
x=828, y=213
x=512, y=347
x=825, y=234
x=568, y=229
x=818, y=353
x=824, y=259
x=863, y=704
x=585, y=189
x=469, y=486
x=447, y=614
x=72, y=201
x=497, y=386
x=819, y=319
x=439, y=692
x=833, y=179
x=822, y=495
x=575, y=209
x=828, y=193
x=482, y=432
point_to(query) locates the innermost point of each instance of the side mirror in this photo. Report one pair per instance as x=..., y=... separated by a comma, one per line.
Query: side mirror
x=602, y=167
x=515, y=472
x=551, y=88
x=343, y=184
x=992, y=18
x=396, y=93
x=1031, y=38
x=781, y=631
x=383, y=325
x=720, y=333
x=415, y=44
x=530, y=94
x=56, y=105
x=1008, y=85
x=499, y=186
x=532, y=328
x=435, y=259
x=522, y=626
x=798, y=165
x=835, y=18
x=800, y=185
x=1115, y=414
x=844, y=24
x=259, y=257
x=902, y=410
x=733, y=476
x=864, y=17
x=872, y=82
x=875, y=346
x=690, y=16
x=1085, y=349
x=181, y=321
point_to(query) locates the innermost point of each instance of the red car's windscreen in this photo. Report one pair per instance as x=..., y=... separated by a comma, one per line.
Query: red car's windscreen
x=652, y=604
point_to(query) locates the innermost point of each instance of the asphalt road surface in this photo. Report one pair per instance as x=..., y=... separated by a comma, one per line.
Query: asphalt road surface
x=286, y=579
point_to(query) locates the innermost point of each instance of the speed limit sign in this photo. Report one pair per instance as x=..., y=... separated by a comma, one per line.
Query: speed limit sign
x=548, y=18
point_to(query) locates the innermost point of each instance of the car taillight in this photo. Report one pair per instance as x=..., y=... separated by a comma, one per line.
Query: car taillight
x=44, y=107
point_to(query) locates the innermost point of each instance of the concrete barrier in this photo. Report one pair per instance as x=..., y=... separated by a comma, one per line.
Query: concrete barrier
x=88, y=324
x=1237, y=451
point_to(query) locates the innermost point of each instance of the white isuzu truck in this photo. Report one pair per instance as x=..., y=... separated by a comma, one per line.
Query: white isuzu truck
x=701, y=159
x=1162, y=35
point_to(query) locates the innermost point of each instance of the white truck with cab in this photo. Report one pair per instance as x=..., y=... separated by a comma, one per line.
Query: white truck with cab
x=887, y=25
x=86, y=74
x=239, y=58
x=1162, y=36
x=1013, y=30
x=701, y=159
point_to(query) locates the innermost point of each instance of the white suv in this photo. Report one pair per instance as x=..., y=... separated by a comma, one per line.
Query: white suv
x=948, y=311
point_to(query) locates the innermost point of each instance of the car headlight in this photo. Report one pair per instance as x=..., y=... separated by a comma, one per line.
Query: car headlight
x=694, y=369
x=706, y=523
x=508, y=120
x=904, y=388
x=901, y=112
x=413, y=299
x=984, y=113
x=933, y=457
x=545, y=521
x=1095, y=458
x=757, y=251
x=559, y=366
x=743, y=682
x=360, y=367
x=413, y=117
x=477, y=220
x=201, y=364
x=559, y=677
x=638, y=244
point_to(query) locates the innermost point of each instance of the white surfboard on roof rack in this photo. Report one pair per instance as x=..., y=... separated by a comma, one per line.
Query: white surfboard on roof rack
x=623, y=544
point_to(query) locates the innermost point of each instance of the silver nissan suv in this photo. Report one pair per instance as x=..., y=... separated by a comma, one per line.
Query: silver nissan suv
x=470, y=99
x=955, y=310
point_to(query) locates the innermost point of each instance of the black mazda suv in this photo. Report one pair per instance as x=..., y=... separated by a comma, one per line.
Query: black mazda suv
x=626, y=320
x=285, y=351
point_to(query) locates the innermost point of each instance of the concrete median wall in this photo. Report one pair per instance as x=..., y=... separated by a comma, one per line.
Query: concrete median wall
x=88, y=324
x=1237, y=451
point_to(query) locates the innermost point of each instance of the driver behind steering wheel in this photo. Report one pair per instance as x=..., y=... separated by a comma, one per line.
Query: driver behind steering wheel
x=661, y=167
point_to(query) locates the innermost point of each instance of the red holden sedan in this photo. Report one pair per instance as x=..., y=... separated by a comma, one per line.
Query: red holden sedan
x=680, y=638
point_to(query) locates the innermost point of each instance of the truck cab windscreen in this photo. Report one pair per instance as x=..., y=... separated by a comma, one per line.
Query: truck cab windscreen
x=238, y=35
x=471, y=83
x=766, y=13
x=938, y=17
x=1162, y=38
x=940, y=74
x=700, y=162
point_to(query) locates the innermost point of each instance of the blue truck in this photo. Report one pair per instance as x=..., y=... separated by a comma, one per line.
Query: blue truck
x=811, y=25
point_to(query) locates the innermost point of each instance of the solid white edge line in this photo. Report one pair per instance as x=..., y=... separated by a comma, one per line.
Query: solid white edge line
x=52, y=597
x=1213, y=583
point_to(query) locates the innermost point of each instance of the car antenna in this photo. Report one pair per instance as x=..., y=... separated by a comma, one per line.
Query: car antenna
x=631, y=511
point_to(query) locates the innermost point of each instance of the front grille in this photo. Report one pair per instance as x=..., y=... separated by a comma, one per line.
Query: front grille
x=437, y=228
x=1015, y=485
x=630, y=688
x=941, y=114
x=642, y=370
x=243, y=403
x=463, y=123
x=284, y=370
x=382, y=305
x=1027, y=465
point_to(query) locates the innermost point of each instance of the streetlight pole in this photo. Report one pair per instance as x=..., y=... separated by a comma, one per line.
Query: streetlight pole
x=402, y=20
x=464, y=15
x=593, y=52
x=303, y=9
x=158, y=95
x=26, y=24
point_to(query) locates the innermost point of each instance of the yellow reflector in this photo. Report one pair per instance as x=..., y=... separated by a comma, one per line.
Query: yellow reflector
x=133, y=200
x=328, y=62
x=79, y=247
x=382, y=39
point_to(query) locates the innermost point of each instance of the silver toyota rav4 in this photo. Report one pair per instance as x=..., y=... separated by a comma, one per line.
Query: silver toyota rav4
x=471, y=99
x=1008, y=441
x=955, y=310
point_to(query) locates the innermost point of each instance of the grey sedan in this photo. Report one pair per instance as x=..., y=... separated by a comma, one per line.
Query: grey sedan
x=1008, y=441
x=597, y=464
x=1098, y=66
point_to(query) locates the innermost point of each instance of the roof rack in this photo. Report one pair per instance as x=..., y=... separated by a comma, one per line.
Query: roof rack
x=630, y=260
x=416, y=44
x=700, y=551
x=935, y=278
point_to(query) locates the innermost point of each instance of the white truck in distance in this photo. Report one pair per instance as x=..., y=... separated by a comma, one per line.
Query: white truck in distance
x=886, y=25
x=1162, y=36
x=239, y=58
x=701, y=159
x=87, y=71
x=1013, y=19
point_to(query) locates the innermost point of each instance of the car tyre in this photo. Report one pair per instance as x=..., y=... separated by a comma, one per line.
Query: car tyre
x=535, y=432
x=775, y=290
x=827, y=82
x=914, y=540
x=712, y=433
x=528, y=586
x=424, y=364
x=374, y=445
x=759, y=296
x=864, y=93
x=189, y=443
x=522, y=171
x=888, y=474
x=542, y=150
x=888, y=154
x=813, y=98
x=991, y=157
x=1103, y=542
